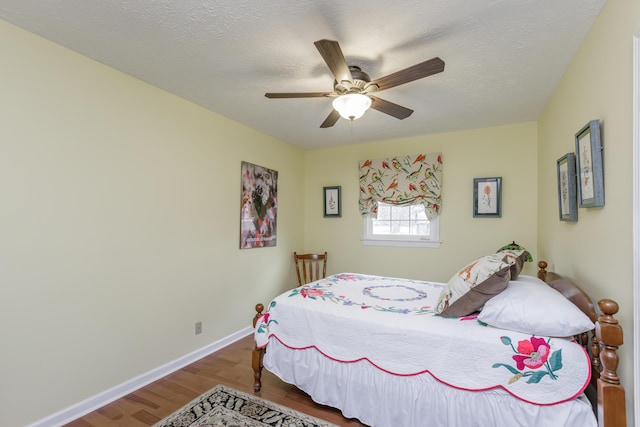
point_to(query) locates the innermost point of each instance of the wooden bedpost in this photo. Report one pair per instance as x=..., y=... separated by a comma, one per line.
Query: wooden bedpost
x=542, y=273
x=605, y=341
x=611, y=399
x=258, y=353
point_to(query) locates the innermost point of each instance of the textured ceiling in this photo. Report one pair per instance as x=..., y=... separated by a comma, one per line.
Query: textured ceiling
x=503, y=57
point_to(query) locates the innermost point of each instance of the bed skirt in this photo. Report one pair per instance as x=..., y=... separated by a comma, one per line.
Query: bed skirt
x=379, y=399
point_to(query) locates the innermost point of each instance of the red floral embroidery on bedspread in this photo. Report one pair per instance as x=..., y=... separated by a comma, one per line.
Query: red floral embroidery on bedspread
x=264, y=321
x=534, y=360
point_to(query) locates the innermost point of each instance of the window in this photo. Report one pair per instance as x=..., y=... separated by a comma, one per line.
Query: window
x=401, y=226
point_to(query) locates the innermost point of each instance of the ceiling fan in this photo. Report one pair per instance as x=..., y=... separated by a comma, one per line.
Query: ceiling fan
x=352, y=87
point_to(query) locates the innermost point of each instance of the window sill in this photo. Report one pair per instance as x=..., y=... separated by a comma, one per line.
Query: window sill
x=402, y=243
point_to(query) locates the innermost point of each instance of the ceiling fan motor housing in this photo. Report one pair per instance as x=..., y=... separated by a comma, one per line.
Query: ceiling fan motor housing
x=360, y=82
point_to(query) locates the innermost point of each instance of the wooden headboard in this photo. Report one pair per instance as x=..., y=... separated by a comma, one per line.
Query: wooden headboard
x=602, y=344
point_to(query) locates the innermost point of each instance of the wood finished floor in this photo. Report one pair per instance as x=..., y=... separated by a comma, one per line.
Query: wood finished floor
x=230, y=366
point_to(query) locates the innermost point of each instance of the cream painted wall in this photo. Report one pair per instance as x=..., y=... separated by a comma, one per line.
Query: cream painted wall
x=506, y=151
x=597, y=250
x=119, y=227
x=109, y=252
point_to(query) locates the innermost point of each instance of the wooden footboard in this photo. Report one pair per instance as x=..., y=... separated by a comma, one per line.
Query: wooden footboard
x=258, y=354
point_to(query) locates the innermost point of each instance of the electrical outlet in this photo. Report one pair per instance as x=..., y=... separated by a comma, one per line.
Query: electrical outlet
x=198, y=328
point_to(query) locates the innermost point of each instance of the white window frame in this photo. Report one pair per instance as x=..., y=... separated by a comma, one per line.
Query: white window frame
x=433, y=241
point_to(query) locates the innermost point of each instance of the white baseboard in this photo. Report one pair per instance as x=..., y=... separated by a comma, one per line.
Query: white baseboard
x=99, y=400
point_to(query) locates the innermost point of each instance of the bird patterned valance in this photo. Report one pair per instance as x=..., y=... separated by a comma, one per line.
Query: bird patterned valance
x=402, y=180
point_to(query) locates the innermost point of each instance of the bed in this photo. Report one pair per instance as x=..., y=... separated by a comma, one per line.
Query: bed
x=382, y=350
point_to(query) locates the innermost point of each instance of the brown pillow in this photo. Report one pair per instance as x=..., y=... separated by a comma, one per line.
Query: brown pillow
x=468, y=290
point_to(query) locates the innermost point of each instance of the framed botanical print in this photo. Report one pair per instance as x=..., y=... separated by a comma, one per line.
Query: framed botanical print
x=589, y=165
x=487, y=197
x=567, y=198
x=332, y=202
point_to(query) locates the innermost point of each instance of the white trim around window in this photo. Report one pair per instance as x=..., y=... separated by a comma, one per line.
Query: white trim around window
x=433, y=241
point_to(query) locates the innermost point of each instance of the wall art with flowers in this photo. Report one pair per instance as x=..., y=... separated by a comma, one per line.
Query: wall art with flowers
x=487, y=197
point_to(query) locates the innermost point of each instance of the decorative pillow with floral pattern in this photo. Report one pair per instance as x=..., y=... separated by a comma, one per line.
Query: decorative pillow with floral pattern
x=468, y=290
x=517, y=256
x=516, y=259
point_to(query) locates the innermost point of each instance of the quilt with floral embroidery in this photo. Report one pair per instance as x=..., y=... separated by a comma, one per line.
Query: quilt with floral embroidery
x=390, y=323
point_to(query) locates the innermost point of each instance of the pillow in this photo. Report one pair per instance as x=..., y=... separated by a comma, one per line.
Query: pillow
x=467, y=291
x=516, y=259
x=530, y=306
x=516, y=247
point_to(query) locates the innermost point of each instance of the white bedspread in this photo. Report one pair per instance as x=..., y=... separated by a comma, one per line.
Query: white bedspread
x=389, y=323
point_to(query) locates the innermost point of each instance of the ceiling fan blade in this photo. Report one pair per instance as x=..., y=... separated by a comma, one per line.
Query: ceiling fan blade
x=298, y=94
x=418, y=71
x=332, y=55
x=331, y=119
x=395, y=110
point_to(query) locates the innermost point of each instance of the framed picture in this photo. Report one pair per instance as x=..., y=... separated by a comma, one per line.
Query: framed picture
x=332, y=202
x=487, y=197
x=589, y=165
x=567, y=198
x=258, y=207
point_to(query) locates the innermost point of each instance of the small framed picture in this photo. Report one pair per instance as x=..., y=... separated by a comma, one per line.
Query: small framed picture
x=487, y=197
x=332, y=202
x=589, y=165
x=567, y=198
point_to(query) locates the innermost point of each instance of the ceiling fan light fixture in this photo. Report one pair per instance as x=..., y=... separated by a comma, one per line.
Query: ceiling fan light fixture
x=352, y=105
